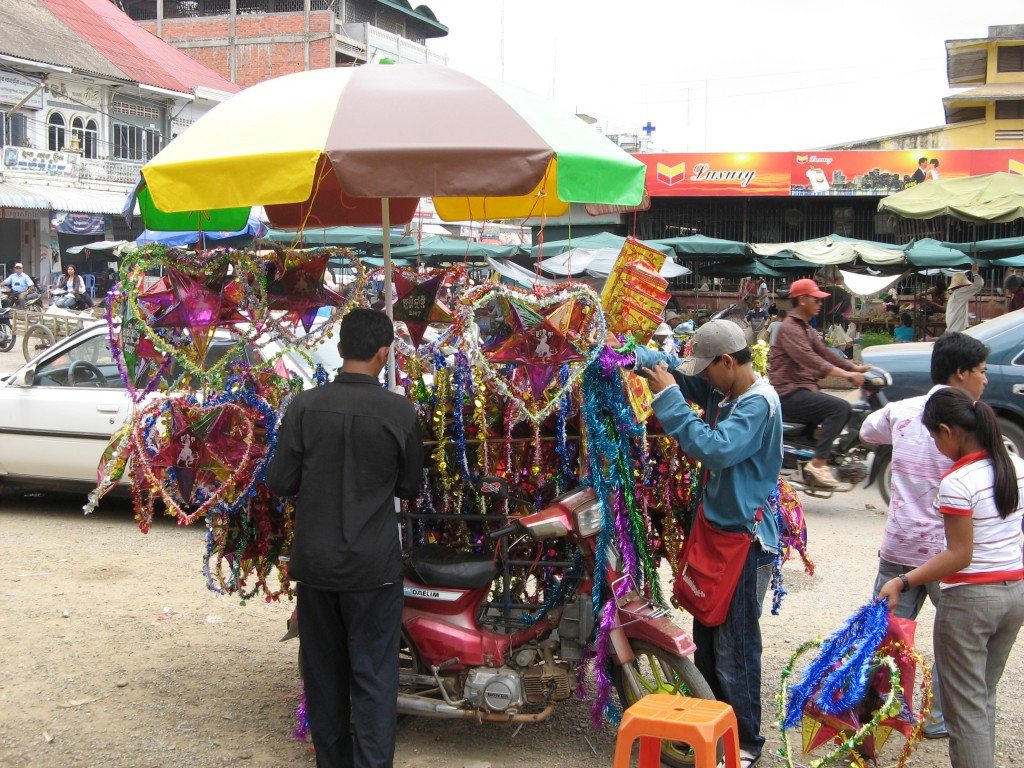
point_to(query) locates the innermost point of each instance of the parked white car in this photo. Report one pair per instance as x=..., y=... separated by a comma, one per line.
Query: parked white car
x=58, y=412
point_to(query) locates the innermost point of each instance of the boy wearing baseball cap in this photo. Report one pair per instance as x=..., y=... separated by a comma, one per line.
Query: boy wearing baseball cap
x=798, y=359
x=739, y=444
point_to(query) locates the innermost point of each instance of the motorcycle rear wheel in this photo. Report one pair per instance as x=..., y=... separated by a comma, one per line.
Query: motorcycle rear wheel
x=8, y=340
x=656, y=670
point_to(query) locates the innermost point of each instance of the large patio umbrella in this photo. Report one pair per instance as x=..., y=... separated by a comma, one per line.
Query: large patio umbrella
x=360, y=238
x=991, y=198
x=361, y=145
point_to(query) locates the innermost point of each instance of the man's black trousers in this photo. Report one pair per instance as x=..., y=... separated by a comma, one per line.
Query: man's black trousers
x=350, y=668
x=807, y=407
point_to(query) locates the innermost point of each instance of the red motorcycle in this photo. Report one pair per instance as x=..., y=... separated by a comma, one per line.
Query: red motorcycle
x=467, y=657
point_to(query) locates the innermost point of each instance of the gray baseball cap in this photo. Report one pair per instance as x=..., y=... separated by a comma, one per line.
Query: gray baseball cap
x=714, y=338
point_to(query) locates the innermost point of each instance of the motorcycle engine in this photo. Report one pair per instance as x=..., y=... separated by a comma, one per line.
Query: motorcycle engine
x=498, y=690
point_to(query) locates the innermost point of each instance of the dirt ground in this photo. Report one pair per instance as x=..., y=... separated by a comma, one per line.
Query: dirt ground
x=113, y=653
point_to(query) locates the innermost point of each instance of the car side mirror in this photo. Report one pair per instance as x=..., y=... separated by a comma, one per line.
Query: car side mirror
x=25, y=377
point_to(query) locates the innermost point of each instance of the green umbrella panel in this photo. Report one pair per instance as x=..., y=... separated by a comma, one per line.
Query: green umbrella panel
x=361, y=238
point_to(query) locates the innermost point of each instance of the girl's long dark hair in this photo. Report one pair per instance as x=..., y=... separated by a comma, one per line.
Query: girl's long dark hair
x=954, y=408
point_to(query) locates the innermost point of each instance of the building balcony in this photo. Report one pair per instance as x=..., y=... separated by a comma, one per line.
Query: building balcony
x=365, y=42
x=27, y=164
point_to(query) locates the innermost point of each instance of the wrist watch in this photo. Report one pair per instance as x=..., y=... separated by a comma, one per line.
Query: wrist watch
x=905, y=582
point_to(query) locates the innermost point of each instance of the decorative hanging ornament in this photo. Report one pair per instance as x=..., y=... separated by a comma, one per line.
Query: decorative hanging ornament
x=297, y=286
x=417, y=304
x=535, y=333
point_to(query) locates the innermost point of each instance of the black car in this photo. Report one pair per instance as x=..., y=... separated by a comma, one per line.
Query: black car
x=910, y=366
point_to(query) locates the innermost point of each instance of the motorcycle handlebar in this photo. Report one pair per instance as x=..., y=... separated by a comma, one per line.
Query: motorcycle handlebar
x=507, y=530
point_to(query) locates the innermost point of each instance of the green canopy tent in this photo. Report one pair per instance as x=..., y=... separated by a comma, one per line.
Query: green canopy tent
x=368, y=239
x=927, y=252
x=592, y=242
x=756, y=267
x=439, y=248
x=1014, y=245
x=699, y=245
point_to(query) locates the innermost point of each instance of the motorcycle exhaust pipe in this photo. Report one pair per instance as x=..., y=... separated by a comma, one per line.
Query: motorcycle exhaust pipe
x=422, y=707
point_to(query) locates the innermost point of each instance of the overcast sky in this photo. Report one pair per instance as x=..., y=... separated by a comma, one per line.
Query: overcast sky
x=725, y=75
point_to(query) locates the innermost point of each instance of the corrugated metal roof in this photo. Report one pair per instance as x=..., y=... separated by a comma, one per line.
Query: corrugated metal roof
x=140, y=55
x=56, y=198
x=29, y=30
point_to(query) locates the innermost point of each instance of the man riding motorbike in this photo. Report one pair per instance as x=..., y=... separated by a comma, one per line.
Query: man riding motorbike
x=798, y=359
x=20, y=284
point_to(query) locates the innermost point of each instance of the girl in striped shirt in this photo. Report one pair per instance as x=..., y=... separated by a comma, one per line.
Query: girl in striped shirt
x=982, y=605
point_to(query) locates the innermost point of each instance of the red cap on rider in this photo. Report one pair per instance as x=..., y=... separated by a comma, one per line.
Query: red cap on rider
x=806, y=287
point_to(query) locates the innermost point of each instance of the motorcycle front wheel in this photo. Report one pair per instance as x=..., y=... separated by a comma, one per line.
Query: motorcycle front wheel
x=7, y=339
x=656, y=670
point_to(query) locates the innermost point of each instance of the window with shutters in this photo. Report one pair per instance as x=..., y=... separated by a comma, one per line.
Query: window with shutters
x=134, y=143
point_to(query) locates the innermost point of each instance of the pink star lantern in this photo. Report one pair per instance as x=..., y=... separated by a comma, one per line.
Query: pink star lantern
x=417, y=305
x=205, y=447
x=299, y=289
x=540, y=340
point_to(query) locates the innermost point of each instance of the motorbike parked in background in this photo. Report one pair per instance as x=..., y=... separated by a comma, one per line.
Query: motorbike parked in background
x=7, y=335
x=849, y=456
x=464, y=656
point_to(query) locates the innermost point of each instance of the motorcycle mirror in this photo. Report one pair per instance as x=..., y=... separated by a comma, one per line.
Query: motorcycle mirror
x=493, y=486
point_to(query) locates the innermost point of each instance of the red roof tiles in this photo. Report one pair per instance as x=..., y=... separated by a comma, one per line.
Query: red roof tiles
x=141, y=55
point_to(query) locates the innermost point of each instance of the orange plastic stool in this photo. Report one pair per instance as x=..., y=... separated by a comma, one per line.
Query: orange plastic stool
x=697, y=722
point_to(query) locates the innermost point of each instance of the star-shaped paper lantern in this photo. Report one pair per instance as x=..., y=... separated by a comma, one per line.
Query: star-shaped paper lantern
x=198, y=305
x=538, y=339
x=298, y=288
x=417, y=305
x=205, y=448
x=819, y=728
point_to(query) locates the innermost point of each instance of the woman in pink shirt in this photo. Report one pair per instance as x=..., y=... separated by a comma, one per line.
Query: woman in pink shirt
x=981, y=607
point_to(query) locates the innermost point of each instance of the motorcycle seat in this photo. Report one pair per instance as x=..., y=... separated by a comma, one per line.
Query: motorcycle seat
x=796, y=429
x=436, y=565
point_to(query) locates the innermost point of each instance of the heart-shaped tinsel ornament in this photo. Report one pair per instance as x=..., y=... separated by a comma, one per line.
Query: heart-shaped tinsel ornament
x=534, y=333
x=205, y=455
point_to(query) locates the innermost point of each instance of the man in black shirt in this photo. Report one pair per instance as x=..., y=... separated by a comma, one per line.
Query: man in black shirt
x=347, y=449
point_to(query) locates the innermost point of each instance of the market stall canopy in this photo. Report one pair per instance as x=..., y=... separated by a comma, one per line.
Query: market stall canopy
x=325, y=147
x=598, y=262
x=699, y=245
x=605, y=240
x=99, y=245
x=362, y=238
x=1012, y=245
x=757, y=268
x=834, y=249
x=253, y=230
x=989, y=198
x=868, y=285
x=440, y=247
x=517, y=274
x=927, y=252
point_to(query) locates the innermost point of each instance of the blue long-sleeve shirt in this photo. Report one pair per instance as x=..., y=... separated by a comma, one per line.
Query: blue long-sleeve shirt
x=742, y=451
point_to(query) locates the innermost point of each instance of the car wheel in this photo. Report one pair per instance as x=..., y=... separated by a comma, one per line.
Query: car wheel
x=1013, y=437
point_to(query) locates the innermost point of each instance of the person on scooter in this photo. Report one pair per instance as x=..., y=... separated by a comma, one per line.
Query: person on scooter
x=798, y=359
x=19, y=283
x=740, y=446
x=348, y=449
x=74, y=284
x=914, y=531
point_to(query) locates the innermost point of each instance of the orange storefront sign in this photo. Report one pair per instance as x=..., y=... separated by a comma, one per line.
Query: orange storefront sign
x=815, y=173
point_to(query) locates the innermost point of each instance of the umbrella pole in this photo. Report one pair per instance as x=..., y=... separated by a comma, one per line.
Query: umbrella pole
x=385, y=220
